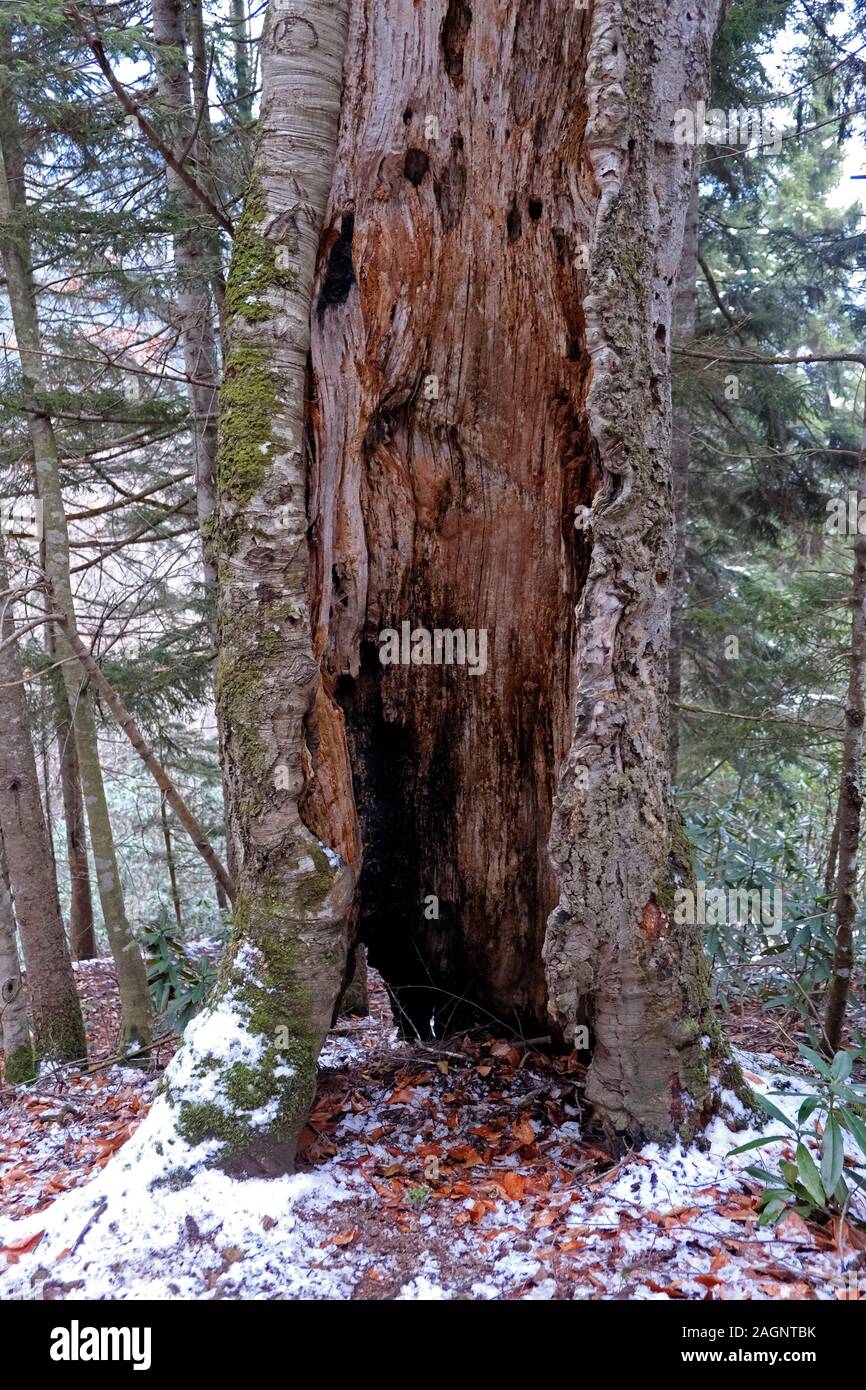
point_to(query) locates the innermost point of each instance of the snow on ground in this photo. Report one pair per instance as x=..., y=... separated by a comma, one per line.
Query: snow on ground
x=431, y=1174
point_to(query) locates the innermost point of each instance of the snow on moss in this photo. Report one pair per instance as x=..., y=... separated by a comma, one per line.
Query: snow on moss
x=229, y=1079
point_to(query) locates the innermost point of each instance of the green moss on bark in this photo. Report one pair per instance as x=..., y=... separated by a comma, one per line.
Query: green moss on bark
x=267, y=1100
x=255, y=269
x=248, y=403
x=60, y=1038
x=238, y=695
x=20, y=1066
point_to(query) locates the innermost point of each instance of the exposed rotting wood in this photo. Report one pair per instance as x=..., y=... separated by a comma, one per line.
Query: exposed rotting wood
x=491, y=425
x=451, y=449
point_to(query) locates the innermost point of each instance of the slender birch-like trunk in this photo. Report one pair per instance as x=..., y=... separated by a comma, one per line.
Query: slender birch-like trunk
x=243, y=64
x=82, y=935
x=194, y=250
x=133, y=733
x=851, y=791
x=169, y=860
x=14, y=244
x=200, y=77
x=58, y=1029
x=286, y=968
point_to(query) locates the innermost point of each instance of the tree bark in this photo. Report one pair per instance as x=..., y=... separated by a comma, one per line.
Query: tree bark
x=490, y=349
x=491, y=323
x=243, y=66
x=14, y=244
x=851, y=789
x=491, y=418
x=58, y=1029
x=684, y=323
x=287, y=967
x=200, y=77
x=169, y=859
x=194, y=250
x=614, y=956
x=833, y=853
x=19, y=1063
x=82, y=935
x=356, y=996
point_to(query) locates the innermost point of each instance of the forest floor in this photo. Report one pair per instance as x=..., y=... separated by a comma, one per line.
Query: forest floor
x=461, y=1170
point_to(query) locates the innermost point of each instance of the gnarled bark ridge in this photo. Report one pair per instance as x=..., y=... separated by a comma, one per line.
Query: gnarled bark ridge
x=613, y=953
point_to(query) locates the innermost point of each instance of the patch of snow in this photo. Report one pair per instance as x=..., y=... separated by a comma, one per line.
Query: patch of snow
x=422, y=1288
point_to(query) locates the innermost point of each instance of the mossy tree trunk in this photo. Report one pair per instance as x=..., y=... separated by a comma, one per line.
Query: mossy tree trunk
x=287, y=964
x=489, y=416
x=492, y=424
x=58, y=1029
x=17, y=263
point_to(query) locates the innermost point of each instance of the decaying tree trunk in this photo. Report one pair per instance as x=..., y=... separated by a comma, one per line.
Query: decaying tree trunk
x=491, y=418
x=18, y=1061
x=356, y=995
x=489, y=452
x=452, y=450
x=58, y=1029
x=258, y=1043
x=683, y=326
x=849, y=813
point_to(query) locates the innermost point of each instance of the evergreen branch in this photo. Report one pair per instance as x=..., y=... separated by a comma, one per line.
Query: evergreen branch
x=136, y=738
x=804, y=359
x=132, y=108
x=760, y=718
